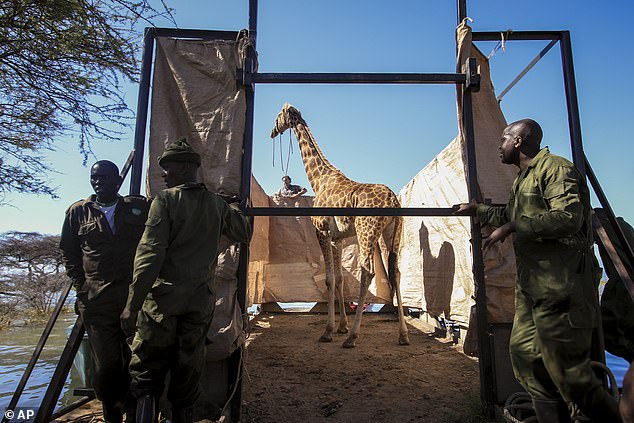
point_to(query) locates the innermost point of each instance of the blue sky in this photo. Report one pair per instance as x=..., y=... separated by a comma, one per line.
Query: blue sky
x=387, y=133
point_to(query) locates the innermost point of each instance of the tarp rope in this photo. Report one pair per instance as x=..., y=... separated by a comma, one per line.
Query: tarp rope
x=501, y=44
x=518, y=407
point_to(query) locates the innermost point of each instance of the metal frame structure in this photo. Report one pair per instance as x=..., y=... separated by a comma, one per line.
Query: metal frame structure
x=250, y=78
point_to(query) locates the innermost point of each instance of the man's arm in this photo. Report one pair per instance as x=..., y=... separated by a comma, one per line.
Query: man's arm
x=150, y=254
x=236, y=226
x=492, y=215
x=71, y=252
x=299, y=193
x=561, y=193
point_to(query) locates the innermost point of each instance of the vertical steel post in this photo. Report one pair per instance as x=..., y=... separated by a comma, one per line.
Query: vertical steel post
x=236, y=367
x=485, y=361
x=142, y=111
x=462, y=10
x=574, y=122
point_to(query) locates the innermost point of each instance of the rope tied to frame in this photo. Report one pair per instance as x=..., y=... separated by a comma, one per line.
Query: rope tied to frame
x=501, y=44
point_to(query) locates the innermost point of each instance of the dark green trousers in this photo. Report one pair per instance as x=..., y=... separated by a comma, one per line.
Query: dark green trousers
x=556, y=309
x=111, y=354
x=170, y=337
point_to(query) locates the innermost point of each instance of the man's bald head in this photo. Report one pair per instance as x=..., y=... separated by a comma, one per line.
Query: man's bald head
x=529, y=130
x=105, y=180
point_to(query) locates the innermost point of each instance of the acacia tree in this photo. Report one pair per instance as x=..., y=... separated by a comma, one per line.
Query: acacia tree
x=31, y=271
x=61, y=62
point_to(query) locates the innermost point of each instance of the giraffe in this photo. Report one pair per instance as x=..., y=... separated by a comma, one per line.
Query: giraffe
x=333, y=189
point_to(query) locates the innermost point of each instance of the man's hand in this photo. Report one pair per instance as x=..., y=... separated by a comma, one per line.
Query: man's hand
x=499, y=235
x=128, y=321
x=465, y=209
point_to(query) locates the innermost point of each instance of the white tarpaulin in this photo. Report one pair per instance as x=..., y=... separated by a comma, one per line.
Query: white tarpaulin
x=436, y=257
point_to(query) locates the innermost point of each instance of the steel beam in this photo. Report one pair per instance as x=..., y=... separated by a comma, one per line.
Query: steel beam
x=357, y=78
x=511, y=35
x=353, y=211
x=142, y=111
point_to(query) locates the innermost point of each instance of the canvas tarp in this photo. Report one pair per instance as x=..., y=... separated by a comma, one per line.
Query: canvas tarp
x=436, y=258
x=195, y=95
x=289, y=267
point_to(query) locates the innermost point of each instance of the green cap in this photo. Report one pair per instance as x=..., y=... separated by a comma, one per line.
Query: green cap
x=179, y=151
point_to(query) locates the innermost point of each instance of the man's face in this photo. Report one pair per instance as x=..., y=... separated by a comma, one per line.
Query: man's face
x=175, y=173
x=105, y=181
x=509, y=154
x=287, y=181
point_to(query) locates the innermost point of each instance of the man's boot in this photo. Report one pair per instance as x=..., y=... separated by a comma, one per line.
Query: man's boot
x=606, y=410
x=183, y=415
x=551, y=411
x=130, y=410
x=146, y=409
x=112, y=412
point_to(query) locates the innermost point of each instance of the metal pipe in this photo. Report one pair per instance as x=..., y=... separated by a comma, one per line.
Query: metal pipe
x=603, y=199
x=461, y=7
x=142, y=111
x=358, y=78
x=71, y=407
x=487, y=383
x=353, y=211
x=38, y=350
x=196, y=34
x=235, y=361
x=60, y=374
x=511, y=35
x=574, y=122
x=527, y=68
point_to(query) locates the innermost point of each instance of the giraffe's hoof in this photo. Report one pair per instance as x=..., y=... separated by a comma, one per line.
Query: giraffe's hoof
x=325, y=338
x=349, y=343
x=342, y=330
x=403, y=340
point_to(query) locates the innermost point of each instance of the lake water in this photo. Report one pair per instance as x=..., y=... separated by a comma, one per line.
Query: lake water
x=17, y=345
x=16, y=348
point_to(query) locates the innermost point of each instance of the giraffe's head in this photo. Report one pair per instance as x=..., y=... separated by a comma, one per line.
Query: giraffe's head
x=287, y=118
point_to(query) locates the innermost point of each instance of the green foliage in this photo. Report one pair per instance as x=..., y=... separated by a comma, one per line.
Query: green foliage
x=32, y=273
x=61, y=62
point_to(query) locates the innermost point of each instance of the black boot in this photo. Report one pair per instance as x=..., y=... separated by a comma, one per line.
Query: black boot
x=112, y=412
x=551, y=411
x=130, y=410
x=605, y=410
x=183, y=415
x=146, y=409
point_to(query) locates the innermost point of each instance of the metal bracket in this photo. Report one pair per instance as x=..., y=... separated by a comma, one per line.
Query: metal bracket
x=472, y=82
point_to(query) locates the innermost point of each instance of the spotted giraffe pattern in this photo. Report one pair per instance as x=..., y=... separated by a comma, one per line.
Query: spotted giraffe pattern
x=333, y=189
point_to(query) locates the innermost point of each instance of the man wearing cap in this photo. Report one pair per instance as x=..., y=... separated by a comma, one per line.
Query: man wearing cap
x=173, y=289
x=98, y=242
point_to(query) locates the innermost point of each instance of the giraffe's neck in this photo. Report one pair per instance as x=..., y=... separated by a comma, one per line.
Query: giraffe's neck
x=318, y=169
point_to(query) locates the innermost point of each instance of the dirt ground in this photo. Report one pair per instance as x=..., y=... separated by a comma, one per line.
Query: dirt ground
x=290, y=377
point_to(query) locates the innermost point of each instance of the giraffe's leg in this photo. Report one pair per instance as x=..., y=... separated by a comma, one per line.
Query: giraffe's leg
x=336, y=255
x=326, y=248
x=366, y=278
x=368, y=232
x=391, y=235
x=403, y=333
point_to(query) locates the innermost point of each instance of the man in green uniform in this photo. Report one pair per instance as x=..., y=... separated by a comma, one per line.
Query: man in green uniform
x=556, y=298
x=98, y=243
x=173, y=288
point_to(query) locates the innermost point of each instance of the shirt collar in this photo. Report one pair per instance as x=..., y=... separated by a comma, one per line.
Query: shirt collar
x=538, y=157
